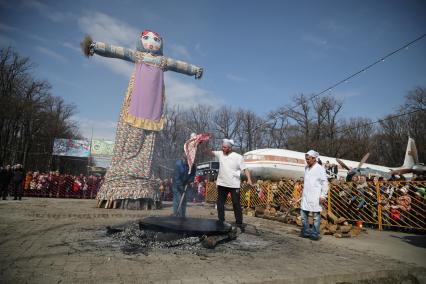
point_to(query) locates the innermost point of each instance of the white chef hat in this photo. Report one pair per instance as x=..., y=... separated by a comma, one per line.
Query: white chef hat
x=312, y=153
x=228, y=142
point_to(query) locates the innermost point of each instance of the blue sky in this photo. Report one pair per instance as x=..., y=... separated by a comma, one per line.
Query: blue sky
x=256, y=54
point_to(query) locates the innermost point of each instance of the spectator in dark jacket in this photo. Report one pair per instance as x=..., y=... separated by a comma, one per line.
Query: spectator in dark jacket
x=17, y=179
x=5, y=177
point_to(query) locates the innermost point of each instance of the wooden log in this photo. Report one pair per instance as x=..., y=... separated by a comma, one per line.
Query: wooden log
x=354, y=232
x=269, y=217
x=340, y=220
x=287, y=220
x=281, y=219
x=345, y=229
x=299, y=222
x=292, y=219
x=210, y=242
x=337, y=235
x=332, y=228
x=259, y=210
x=332, y=218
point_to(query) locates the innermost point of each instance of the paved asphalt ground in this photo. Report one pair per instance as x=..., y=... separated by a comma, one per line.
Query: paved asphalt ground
x=65, y=241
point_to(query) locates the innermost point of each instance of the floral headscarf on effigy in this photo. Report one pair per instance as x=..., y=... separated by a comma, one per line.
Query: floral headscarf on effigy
x=150, y=42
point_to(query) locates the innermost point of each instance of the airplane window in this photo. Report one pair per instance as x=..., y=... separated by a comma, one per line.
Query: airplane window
x=254, y=157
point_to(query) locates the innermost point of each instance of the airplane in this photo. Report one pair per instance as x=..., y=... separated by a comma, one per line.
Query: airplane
x=413, y=165
x=275, y=164
x=360, y=171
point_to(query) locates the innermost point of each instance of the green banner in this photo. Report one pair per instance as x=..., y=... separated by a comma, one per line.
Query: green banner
x=102, y=147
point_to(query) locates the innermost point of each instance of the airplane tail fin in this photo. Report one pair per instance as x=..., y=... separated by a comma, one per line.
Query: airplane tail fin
x=411, y=156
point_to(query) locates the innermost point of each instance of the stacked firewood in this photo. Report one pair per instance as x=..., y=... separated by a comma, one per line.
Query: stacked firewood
x=330, y=223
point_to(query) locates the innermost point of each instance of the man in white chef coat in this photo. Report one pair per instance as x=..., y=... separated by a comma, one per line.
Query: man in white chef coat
x=314, y=195
x=231, y=164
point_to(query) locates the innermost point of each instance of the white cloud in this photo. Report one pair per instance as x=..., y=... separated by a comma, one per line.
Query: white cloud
x=71, y=46
x=199, y=50
x=234, y=78
x=10, y=29
x=51, y=54
x=7, y=28
x=317, y=41
x=333, y=26
x=37, y=37
x=103, y=129
x=48, y=12
x=104, y=28
x=117, y=66
x=179, y=51
x=186, y=95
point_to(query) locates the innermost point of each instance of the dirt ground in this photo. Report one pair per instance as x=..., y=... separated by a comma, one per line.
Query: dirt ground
x=65, y=241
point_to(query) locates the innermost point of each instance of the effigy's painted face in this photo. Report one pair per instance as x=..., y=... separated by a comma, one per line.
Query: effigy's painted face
x=151, y=41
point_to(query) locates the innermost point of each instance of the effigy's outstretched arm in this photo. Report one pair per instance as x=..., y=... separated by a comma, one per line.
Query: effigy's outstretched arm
x=91, y=47
x=183, y=67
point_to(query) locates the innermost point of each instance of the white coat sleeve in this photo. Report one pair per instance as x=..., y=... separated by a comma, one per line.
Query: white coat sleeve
x=324, y=184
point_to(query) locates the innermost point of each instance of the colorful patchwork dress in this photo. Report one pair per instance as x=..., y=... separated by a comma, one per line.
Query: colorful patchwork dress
x=141, y=117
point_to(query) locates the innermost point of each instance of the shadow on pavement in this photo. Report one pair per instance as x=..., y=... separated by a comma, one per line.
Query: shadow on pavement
x=418, y=241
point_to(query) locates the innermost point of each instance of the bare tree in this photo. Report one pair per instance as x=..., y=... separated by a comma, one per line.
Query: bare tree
x=225, y=122
x=27, y=113
x=326, y=122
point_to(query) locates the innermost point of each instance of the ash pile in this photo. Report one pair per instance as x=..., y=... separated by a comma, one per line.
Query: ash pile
x=189, y=234
x=330, y=223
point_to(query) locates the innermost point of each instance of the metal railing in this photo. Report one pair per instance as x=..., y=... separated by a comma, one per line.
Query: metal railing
x=399, y=204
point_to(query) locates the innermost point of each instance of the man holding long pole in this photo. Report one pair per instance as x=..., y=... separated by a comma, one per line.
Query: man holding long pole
x=184, y=173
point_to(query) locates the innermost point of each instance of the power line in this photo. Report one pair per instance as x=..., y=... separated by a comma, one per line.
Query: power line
x=381, y=59
x=380, y=120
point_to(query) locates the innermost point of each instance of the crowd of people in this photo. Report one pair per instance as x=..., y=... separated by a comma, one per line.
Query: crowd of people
x=196, y=190
x=16, y=182
x=402, y=202
x=11, y=179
